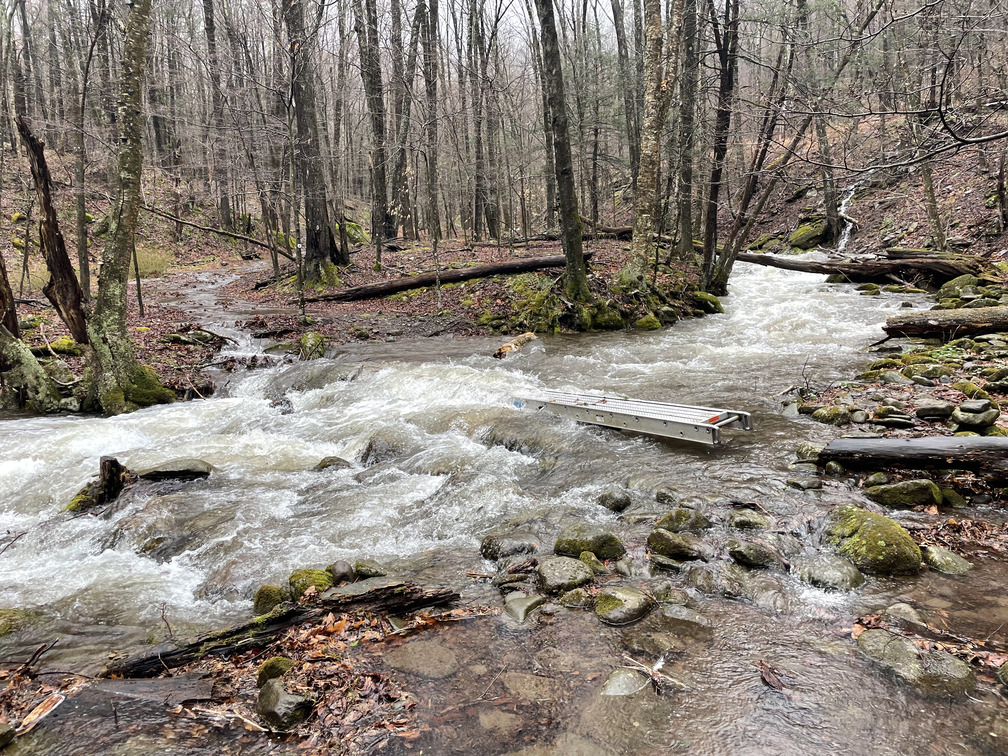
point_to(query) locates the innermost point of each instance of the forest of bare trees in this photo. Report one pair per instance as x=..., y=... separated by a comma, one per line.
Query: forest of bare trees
x=317, y=126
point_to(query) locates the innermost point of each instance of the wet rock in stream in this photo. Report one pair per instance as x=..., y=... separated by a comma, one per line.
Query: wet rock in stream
x=831, y=573
x=183, y=468
x=426, y=658
x=933, y=672
x=677, y=546
x=561, y=573
x=575, y=539
x=872, y=542
x=280, y=709
x=622, y=606
x=497, y=546
x=943, y=560
x=906, y=493
x=682, y=519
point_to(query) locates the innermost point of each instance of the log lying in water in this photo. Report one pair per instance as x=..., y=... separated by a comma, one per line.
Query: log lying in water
x=387, y=288
x=948, y=323
x=937, y=269
x=376, y=595
x=986, y=456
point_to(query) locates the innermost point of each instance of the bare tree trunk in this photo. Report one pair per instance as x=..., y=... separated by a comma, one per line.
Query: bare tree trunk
x=687, y=139
x=576, y=279
x=627, y=85
x=219, y=148
x=118, y=382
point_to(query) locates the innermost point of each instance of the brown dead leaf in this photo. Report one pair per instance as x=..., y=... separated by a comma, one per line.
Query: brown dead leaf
x=769, y=675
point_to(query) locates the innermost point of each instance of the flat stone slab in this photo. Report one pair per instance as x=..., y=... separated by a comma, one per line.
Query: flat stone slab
x=563, y=573
x=426, y=658
x=183, y=468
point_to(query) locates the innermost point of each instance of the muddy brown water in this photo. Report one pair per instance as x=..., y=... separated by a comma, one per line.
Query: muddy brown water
x=439, y=457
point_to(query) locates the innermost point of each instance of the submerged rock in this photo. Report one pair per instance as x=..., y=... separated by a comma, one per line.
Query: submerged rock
x=622, y=606
x=682, y=519
x=872, y=542
x=12, y=620
x=575, y=539
x=576, y=598
x=751, y=554
x=907, y=493
x=678, y=546
x=519, y=605
x=328, y=463
x=933, y=672
x=682, y=621
x=746, y=519
x=560, y=573
x=615, y=498
x=943, y=560
x=831, y=573
x=500, y=545
x=902, y=614
x=624, y=682
x=279, y=709
x=426, y=658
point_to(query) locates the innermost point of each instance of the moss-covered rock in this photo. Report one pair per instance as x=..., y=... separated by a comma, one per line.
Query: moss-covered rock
x=874, y=543
x=906, y=493
x=12, y=620
x=311, y=345
x=605, y=318
x=953, y=289
x=746, y=519
x=971, y=390
x=621, y=606
x=66, y=346
x=809, y=234
x=832, y=415
x=707, y=303
x=368, y=568
x=575, y=539
x=303, y=579
x=682, y=519
x=267, y=597
x=649, y=322
x=146, y=390
x=272, y=668
x=943, y=560
x=677, y=546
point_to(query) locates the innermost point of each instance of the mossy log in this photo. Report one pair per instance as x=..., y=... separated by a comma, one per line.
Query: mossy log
x=387, y=288
x=376, y=595
x=113, y=477
x=986, y=456
x=936, y=269
x=951, y=323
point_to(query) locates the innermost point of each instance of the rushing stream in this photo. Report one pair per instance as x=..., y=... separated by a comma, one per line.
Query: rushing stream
x=439, y=457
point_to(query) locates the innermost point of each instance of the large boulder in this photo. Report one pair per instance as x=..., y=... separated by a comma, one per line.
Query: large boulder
x=575, y=539
x=809, y=234
x=872, y=542
x=933, y=672
x=906, y=493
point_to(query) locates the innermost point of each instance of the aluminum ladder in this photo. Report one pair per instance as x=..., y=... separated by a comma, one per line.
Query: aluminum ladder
x=674, y=421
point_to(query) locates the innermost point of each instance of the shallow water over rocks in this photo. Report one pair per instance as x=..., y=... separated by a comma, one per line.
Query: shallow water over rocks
x=438, y=457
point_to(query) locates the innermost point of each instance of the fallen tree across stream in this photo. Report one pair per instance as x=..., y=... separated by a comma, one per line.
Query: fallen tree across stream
x=373, y=595
x=985, y=456
x=948, y=323
x=935, y=268
x=387, y=288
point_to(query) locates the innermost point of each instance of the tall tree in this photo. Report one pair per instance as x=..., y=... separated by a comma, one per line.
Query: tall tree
x=319, y=247
x=219, y=150
x=576, y=273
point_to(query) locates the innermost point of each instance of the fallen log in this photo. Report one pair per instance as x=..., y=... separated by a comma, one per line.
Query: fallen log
x=985, y=456
x=948, y=323
x=373, y=595
x=514, y=345
x=387, y=288
x=936, y=269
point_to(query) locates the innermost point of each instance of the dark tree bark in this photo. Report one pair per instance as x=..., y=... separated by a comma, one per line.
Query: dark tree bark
x=966, y=322
x=319, y=247
x=576, y=278
x=936, y=269
x=687, y=138
x=366, y=27
x=630, y=114
x=63, y=288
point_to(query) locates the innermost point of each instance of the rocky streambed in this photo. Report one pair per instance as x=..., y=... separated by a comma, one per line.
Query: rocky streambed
x=617, y=594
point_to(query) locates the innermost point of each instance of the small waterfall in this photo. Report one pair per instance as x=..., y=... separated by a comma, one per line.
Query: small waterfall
x=848, y=225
